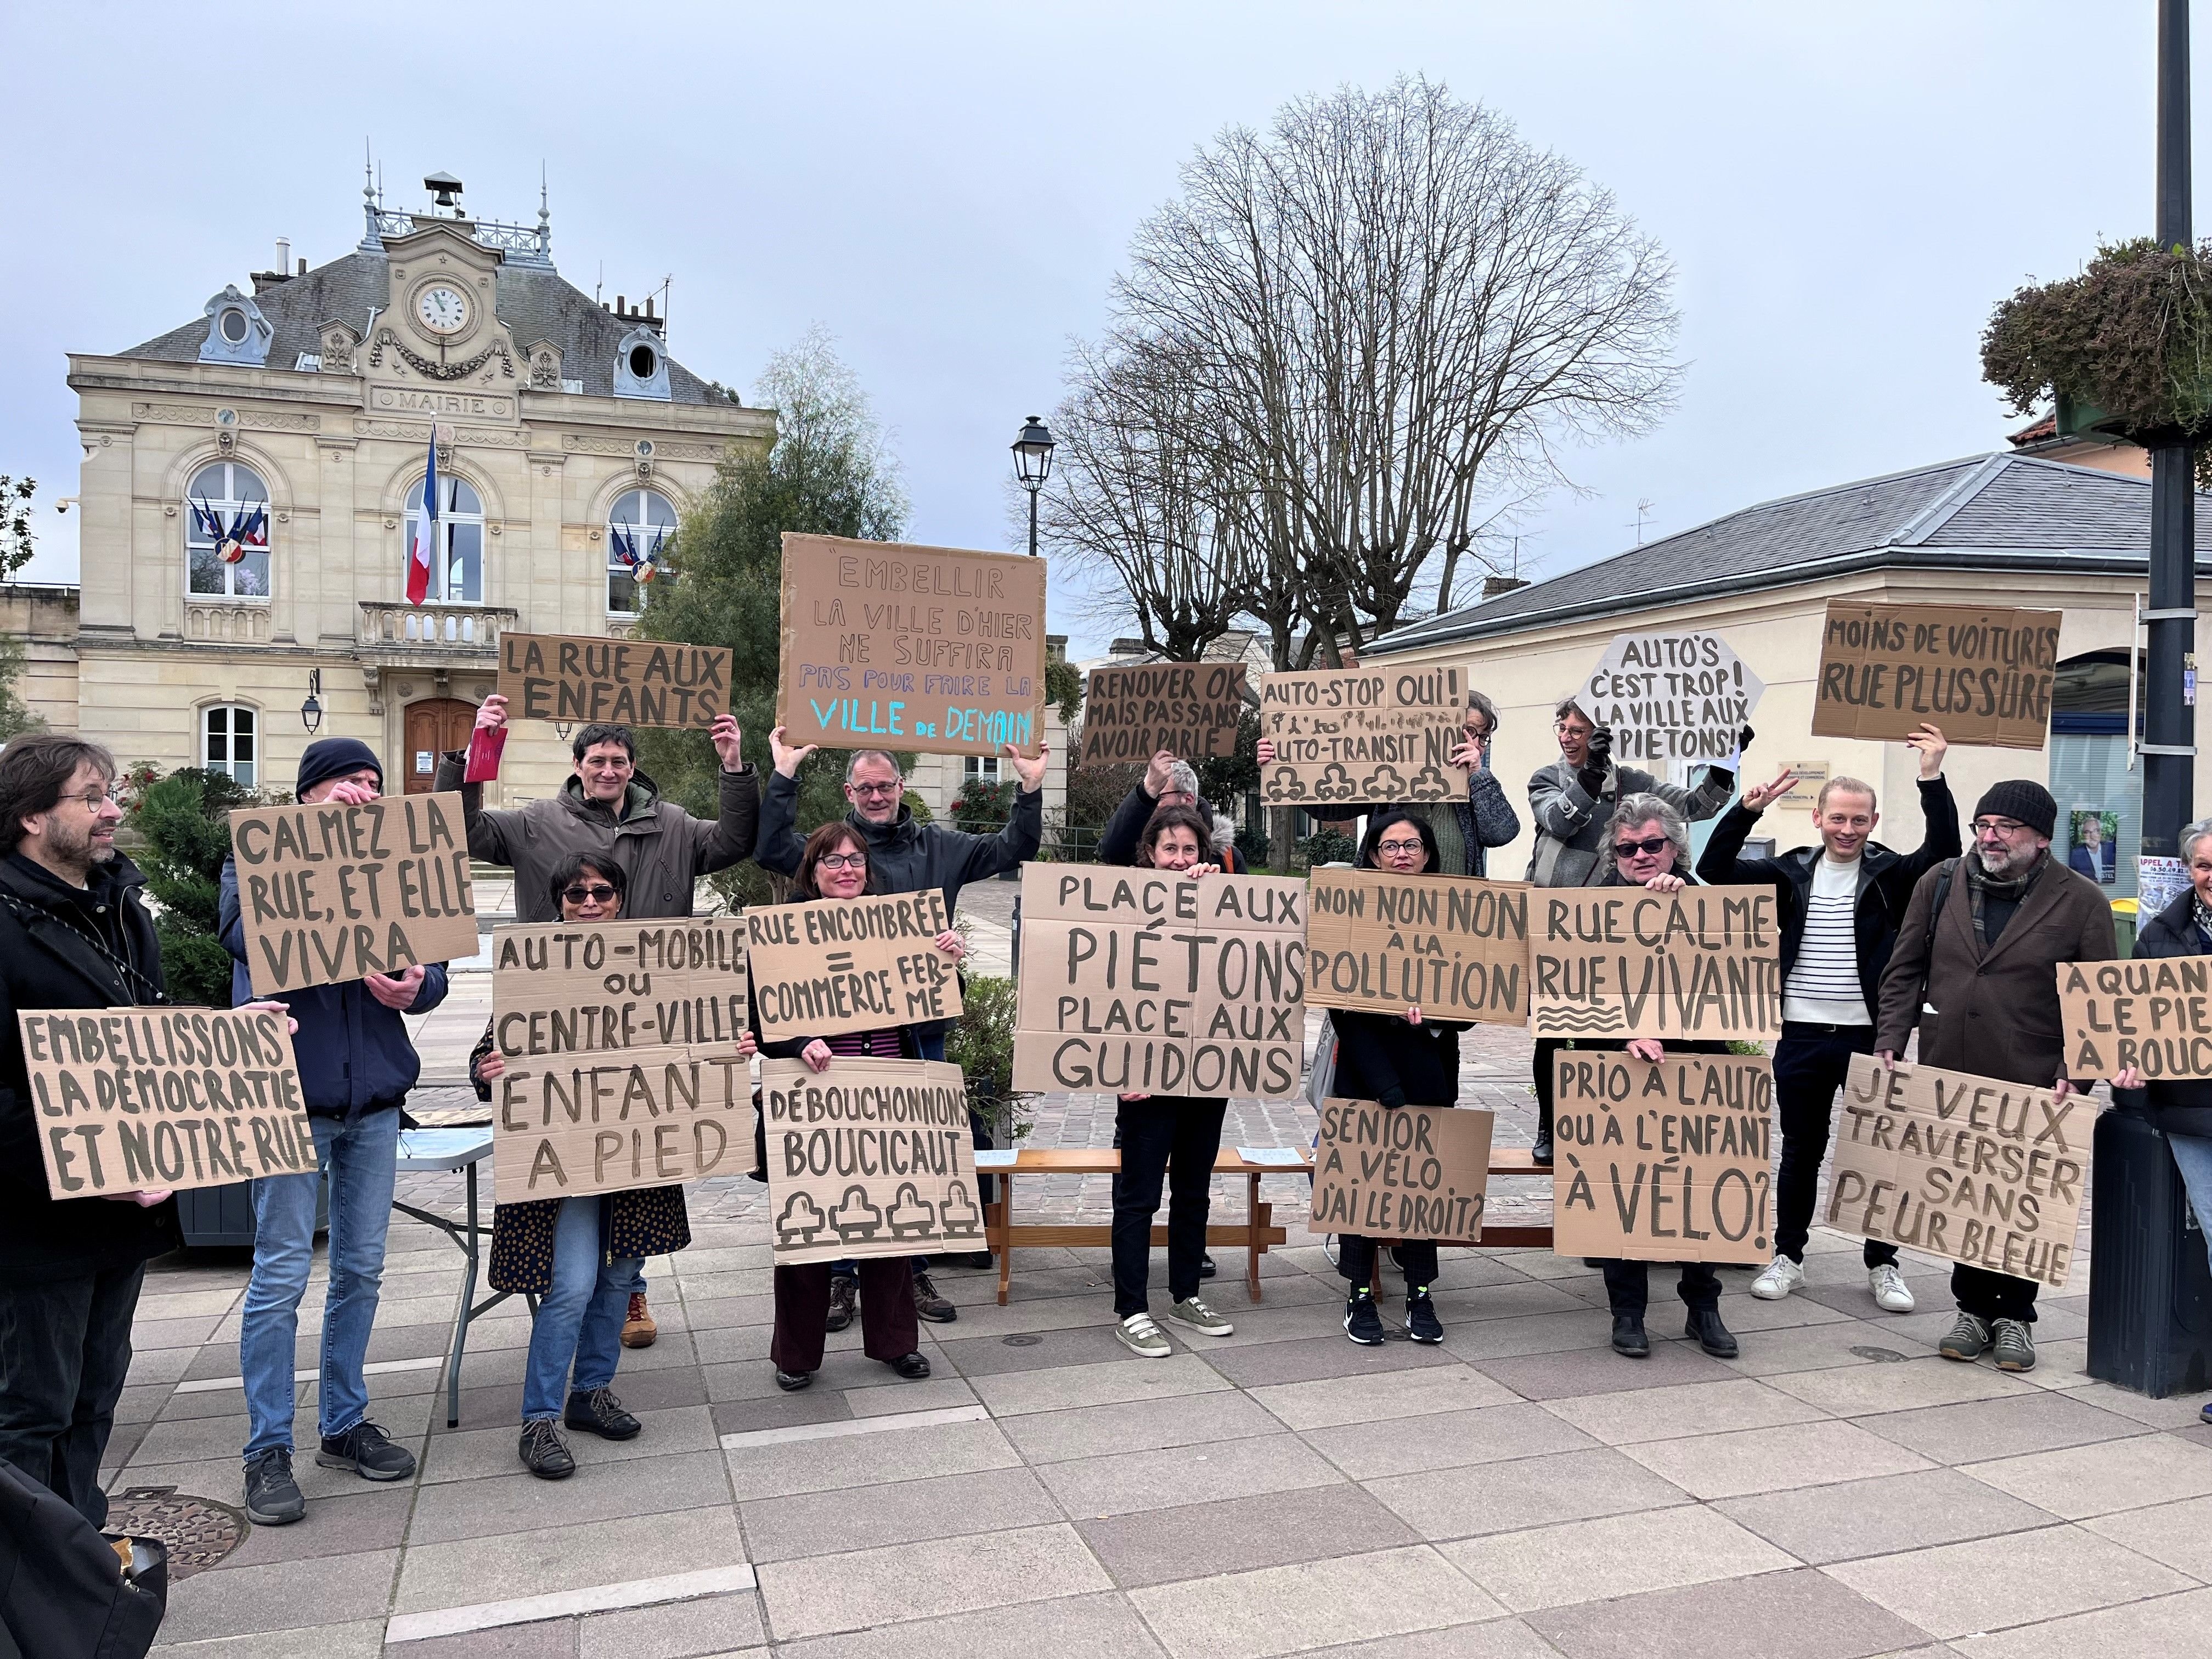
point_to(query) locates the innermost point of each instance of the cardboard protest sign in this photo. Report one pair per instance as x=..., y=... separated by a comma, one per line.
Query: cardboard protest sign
x=2151, y=1013
x=834, y=965
x=330, y=893
x=1665, y=1162
x=1668, y=696
x=1981, y=674
x=1963, y=1167
x=1626, y=962
x=1363, y=734
x=565, y=988
x=1142, y=981
x=588, y=677
x=928, y=648
x=870, y=1158
x=571, y=1124
x=1455, y=947
x=131, y=1100
x=1402, y=1171
x=1133, y=710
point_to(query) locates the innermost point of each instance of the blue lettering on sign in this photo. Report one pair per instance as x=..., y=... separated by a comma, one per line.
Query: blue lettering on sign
x=844, y=714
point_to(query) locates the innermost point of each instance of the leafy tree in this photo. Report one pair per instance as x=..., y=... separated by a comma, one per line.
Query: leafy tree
x=15, y=523
x=184, y=821
x=982, y=808
x=15, y=716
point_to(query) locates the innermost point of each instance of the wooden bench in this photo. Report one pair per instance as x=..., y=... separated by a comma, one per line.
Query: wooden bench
x=1257, y=1233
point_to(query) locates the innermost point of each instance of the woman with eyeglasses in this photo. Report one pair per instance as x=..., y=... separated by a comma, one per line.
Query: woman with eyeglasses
x=579, y=1256
x=1650, y=844
x=1395, y=1059
x=834, y=864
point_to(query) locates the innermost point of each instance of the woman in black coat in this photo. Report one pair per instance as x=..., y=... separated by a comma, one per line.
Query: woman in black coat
x=1395, y=1059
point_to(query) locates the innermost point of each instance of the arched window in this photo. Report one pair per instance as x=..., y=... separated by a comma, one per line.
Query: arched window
x=230, y=742
x=458, y=578
x=226, y=533
x=638, y=531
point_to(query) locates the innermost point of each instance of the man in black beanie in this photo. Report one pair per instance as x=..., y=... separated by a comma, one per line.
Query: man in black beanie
x=1973, y=970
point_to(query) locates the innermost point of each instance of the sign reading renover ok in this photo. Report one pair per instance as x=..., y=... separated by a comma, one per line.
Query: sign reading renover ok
x=857, y=964
x=1626, y=962
x=1131, y=711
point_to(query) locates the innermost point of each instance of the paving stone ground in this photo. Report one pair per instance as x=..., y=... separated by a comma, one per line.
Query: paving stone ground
x=1836, y=1492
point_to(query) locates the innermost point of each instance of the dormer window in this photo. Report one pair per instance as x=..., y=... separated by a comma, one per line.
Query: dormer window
x=231, y=321
x=237, y=332
x=641, y=366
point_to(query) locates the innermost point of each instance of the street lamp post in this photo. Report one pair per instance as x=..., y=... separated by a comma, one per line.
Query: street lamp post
x=2169, y=735
x=311, y=712
x=1033, y=466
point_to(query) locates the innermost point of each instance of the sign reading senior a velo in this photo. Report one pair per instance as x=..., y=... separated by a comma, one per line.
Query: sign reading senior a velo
x=833, y=965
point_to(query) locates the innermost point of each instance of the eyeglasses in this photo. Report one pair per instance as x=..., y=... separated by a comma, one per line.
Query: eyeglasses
x=94, y=799
x=2005, y=827
x=873, y=789
x=842, y=861
x=608, y=762
x=1629, y=849
x=599, y=895
x=1398, y=846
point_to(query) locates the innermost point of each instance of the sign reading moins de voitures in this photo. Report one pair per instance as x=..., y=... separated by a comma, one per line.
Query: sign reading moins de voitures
x=147, y=1099
x=330, y=893
x=833, y=965
x=927, y=649
x=1626, y=962
x=1982, y=674
x=1363, y=734
x=582, y=679
x=1669, y=696
x=1456, y=948
x=1131, y=711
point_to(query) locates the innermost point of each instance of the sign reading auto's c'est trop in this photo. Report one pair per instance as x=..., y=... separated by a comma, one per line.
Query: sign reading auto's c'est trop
x=1671, y=696
x=1626, y=962
x=1363, y=734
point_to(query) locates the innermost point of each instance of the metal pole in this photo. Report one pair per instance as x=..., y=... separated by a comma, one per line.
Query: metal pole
x=1033, y=495
x=2169, y=724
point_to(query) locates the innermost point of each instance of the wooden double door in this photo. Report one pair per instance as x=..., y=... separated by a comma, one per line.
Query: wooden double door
x=433, y=725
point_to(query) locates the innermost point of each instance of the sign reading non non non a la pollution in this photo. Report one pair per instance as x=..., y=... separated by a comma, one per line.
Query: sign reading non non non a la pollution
x=568, y=987
x=571, y=1125
x=2151, y=1014
x=925, y=648
x=1665, y=1161
x=330, y=893
x=1671, y=696
x=1626, y=962
x=870, y=1158
x=151, y=1099
x=1967, y=1168
x=584, y=679
x=1145, y=981
x=1402, y=1171
x=1131, y=711
x=1454, y=947
x=858, y=964
x=1982, y=674
x=1363, y=734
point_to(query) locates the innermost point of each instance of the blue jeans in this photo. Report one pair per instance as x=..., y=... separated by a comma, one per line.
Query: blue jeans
x=359, y=1162
x=2192, y=1156
x=579, y=1318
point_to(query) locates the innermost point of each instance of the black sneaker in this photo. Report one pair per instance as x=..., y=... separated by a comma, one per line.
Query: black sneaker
x=368, y=1451
x=844, y=1297
x=1704, y=1325
x=1362, y=1323
x=599, y=1412
x=1628, y=1338
x=912, y=1366
x=272, y=1497
x=928, y=1305
x=1421, y=1322
x=545, y=1452
x=1206, y=1267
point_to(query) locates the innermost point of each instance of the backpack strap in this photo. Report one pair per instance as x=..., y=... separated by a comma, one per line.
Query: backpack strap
x=1944, y=872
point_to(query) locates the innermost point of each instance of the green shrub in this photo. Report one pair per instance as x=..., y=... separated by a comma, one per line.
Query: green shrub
x=981, y=1044
x=982, y=808
x=1328, y=847
x=1252, y=842
x=183, y=829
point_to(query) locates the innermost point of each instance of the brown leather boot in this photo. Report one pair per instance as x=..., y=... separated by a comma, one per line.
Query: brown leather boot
x=639, y=1330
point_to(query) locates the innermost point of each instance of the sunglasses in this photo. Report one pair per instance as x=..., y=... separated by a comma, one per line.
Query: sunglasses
x=1629, y=849
x=842, y=861
x=599, y=895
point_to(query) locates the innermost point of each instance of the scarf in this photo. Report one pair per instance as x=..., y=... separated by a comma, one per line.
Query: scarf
x=1982, y=887
x=2201, y=914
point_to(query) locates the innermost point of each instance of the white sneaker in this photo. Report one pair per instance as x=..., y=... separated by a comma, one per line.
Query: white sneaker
x=1778, y=1278
x=1195, y=1314
x=1143, y=1338
x=1891, y=1294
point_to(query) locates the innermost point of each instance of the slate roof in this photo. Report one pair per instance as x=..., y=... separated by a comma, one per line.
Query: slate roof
x=2000, y=513
x=536, y=303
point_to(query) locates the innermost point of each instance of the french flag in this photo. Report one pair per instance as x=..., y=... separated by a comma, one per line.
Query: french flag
x=426, y=532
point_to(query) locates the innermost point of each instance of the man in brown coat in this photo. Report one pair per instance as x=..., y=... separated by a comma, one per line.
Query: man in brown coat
x=1977, y=977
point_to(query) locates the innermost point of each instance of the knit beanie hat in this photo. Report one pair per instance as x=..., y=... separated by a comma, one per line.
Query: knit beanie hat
x=2023, y=800
x=338, y=757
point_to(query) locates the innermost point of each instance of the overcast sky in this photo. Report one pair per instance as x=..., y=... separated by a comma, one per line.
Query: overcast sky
x=948, y=189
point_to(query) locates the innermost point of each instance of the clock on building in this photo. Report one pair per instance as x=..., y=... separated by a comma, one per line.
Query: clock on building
x=443, y=309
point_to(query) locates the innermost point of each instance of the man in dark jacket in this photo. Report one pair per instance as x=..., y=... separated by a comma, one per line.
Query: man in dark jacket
x=356, y=1065
x=74, y=933
x=1840, y=904
x=1976, y=974
x=1167, y=782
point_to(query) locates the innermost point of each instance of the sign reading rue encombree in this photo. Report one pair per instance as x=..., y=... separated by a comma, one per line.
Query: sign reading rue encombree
x=1139, y=980
x=1665, y=1162
x=927, y=649
x=2151, y=1013
x=1981, y=674
x=330, y=893
x=143, y=1099
x=833, y=965
x=1402, y=1171
x=1131, y=711
x=585, y=678
x=1626, y=962
x=870, y=1158
x=1454, y=947
x=1963, y=1167
x=1363, y=734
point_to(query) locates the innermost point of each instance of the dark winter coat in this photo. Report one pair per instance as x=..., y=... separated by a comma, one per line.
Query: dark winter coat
x=1379, y=1057
x=905, y=856
x=2183, y=1105
x=354, y=1053
x=47, y=960
x=1117, y=842
x=1571, y=821
x=1886, y=879
x=61, y=1595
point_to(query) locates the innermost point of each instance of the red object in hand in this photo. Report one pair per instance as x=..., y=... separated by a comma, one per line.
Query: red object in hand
x=486, y=744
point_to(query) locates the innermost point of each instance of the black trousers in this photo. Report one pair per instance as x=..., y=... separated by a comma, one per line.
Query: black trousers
x=1628, y=1287
x=1174, y=1139
x=1992, y=1296
x=64, y=1352
x=1809, y=1066
x=1355, y=1259
x=1546, y=1048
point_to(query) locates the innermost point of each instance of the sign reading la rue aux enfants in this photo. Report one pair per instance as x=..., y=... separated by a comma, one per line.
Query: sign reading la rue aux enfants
x=410, y=400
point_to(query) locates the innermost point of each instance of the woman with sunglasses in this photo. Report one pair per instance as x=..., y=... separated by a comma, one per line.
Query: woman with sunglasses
x=579, y=1256
x=1166, y=1138
x=834, y=864
x=1395, y=1059
x=1650, y=845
